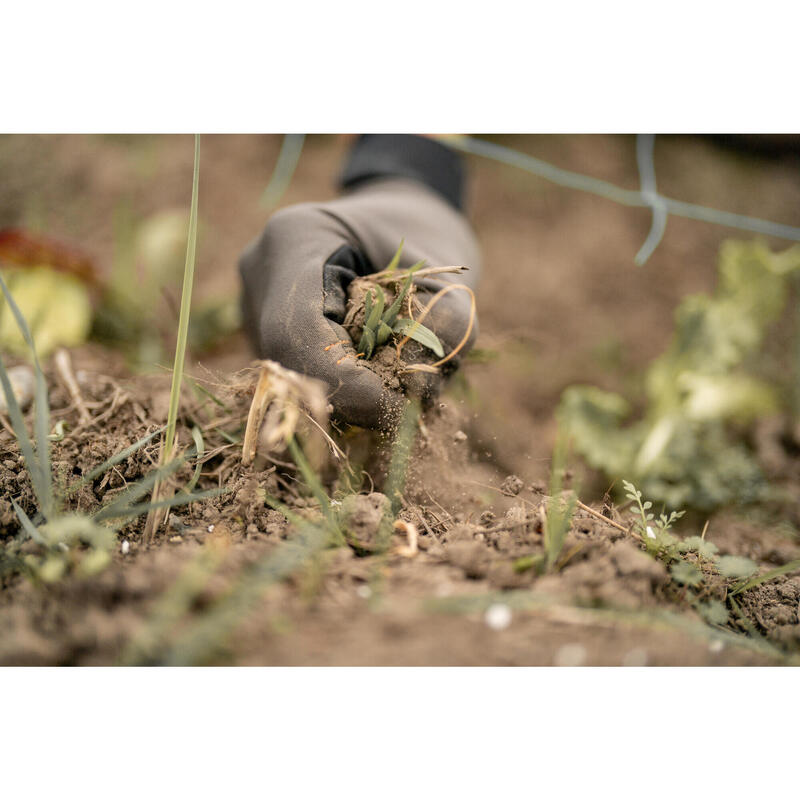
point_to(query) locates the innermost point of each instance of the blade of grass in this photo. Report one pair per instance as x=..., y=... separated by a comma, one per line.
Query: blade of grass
x=288, y=157
x=111, y=462
x=154, y=517
x=137, y=490
x=186, y=302
x=317, y=489
x=200, y=450
x=177, y=500
x=27, y=525
x=394, y=263
x=401, y=453
x=767, y=576
x=39, y=467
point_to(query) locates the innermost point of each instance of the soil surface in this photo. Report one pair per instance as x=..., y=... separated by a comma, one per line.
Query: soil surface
x=560, y=301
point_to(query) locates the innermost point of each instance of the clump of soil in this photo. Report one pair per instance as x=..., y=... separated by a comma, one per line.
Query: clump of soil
x=391, y=364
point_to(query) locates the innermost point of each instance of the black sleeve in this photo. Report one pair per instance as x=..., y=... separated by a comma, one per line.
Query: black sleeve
x=379, y=155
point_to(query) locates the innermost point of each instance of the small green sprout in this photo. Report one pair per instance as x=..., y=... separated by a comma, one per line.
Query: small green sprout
x=381, y=322
x=651, y=529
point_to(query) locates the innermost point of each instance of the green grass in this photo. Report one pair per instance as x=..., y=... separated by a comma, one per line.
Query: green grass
x=57, y=530
x=186, y=303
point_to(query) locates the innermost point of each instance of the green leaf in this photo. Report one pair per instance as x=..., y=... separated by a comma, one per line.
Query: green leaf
x=736, y=567
x=114, y=460
x=186, y=304
x=391, y=313
x=119, y=506
x=697, y=545
x=376, y=311
x=27, y=525
x=383, y=334
x=38, y=466
x=393, y=264
x=200, y=450
x=791, y=566
x=367, y=343
x=713, y=612
x=686, y=574
x=421, y=334
x=368, y=301
x=524, y=563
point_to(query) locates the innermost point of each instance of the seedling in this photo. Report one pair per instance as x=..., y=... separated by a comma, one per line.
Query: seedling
x=381, y=322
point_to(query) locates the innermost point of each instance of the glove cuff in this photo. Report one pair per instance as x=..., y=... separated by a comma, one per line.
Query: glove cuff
x=380, y=155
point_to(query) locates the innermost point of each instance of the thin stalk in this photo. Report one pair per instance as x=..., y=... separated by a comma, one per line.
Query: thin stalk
x=186, y=302
x=155, y=515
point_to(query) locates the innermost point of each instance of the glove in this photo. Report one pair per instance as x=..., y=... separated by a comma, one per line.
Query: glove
x=296, y=273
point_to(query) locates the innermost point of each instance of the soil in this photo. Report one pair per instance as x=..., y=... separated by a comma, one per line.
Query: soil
x=560, y=302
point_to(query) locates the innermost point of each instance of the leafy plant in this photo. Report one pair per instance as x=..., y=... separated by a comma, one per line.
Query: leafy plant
x=688, y=558
x=653, y=531
x=381, y=322
x=684, y=451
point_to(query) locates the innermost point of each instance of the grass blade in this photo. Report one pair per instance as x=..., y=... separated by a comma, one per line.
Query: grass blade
x=288, y=157
x=419, y=333
x=132, y=512
x=38, y=465
x=137, y=490
x=318, y=490
x=200, y=450
x=767, y=576
x=186, y=302
x=27, y=525
x=395, y=262
x=112, y=462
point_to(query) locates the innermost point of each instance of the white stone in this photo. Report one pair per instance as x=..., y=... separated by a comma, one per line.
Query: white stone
x=498, y=616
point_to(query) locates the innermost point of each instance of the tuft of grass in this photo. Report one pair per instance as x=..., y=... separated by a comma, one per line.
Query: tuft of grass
x=381, y=322
x=154, y=517
x=186, y=303
x=58, y=532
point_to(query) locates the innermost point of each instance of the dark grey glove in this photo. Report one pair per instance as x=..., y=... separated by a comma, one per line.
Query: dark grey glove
x=297, y=272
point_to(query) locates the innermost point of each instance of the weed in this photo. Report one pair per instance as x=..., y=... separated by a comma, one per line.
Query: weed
x=381, y=322
x=653, y=531
x=683, y=452
x=693, y=562
x=154, y=516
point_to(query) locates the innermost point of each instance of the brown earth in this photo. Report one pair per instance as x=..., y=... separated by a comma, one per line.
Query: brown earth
x=560, y=302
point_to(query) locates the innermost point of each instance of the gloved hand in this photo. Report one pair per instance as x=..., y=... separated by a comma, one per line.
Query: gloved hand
x=297, y=272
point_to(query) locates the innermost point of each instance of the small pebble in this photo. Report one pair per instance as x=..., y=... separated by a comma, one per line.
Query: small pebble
x=364, y=591
x=459, y=436
x=498, y=616
x=126, y=546
x=210, y=528
x=512, y=485
x=570, y=655
x=717, y=646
